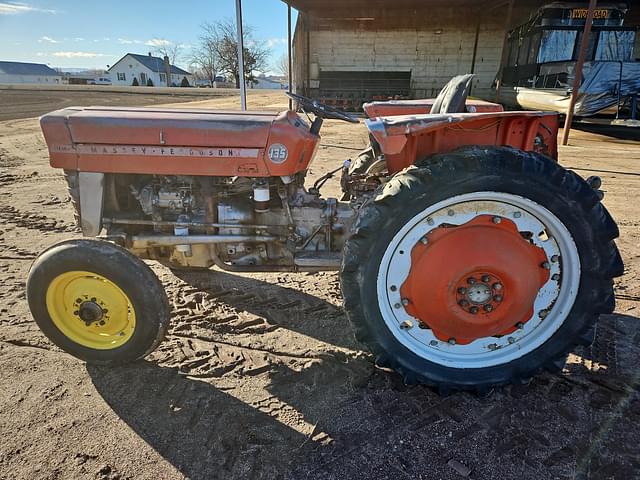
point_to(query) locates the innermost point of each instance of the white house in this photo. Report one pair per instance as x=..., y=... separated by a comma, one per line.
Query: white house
x=20, y=72
x=145, y=68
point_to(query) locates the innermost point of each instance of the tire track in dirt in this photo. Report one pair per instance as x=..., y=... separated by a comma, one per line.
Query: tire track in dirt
x=35, y=221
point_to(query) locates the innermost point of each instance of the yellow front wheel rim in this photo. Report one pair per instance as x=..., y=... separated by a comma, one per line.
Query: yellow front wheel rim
x=91, y=310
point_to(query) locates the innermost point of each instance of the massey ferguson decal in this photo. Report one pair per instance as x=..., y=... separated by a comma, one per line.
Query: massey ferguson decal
x=156, y=151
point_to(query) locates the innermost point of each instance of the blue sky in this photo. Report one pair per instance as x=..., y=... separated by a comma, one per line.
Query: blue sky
x=94, y=34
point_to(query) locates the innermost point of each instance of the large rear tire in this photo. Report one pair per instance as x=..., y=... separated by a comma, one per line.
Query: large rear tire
x=97, y=301
x=479, y=268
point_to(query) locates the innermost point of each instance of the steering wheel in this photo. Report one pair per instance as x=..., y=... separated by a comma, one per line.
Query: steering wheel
x=321, y=110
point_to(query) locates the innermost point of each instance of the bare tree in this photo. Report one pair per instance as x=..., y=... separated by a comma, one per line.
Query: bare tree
x=220, y=38
x=171, y=50
x=204, y=57
x=282, y=65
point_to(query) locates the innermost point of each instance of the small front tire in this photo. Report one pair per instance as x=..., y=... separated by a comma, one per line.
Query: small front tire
x=97, y=301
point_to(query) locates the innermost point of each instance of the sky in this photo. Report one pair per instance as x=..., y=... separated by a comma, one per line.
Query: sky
x=94, y=34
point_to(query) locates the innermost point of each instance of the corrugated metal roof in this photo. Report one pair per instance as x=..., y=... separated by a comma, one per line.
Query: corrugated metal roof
x=155, y=64
x=21, y=68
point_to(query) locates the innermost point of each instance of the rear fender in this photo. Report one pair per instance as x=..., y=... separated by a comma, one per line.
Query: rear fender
x=407, y=138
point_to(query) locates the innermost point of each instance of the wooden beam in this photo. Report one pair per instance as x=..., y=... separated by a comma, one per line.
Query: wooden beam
x=505, y=45
x=579, y=65
x=289, y=71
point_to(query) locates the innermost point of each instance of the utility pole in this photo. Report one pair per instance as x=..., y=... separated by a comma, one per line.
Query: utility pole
x=243, y=89
x=578, y=79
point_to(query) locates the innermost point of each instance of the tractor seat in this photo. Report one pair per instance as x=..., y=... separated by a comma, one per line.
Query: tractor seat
x=453, y=97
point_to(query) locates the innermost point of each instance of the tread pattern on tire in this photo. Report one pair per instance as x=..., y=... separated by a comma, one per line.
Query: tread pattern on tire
x=600, y=263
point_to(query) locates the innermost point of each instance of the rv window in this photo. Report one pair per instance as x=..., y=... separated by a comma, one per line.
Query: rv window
x=533, y=49
x=616, y=46
x=524, y=51
x=590, y=48
x=557, y=45
x=513, y=52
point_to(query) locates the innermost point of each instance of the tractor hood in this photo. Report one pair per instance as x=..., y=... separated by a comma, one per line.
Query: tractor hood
x=178, y=141
x=164, y=126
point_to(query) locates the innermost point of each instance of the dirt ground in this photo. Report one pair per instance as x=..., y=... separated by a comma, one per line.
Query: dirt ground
x=31, y=102
x=260, y=375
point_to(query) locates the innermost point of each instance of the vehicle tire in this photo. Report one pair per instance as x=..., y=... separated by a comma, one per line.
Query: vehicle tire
x=429, y=250
x=97, y=301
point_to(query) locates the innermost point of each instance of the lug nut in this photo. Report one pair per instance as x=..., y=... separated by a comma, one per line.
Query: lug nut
x=497, y=286
x=451, y=341
x=393, y=288
x=555, y=277
x=78, y=300
x=93, y=299
x=433, y=343
x=471, y=280
x=486, y=278
x=462, y=290
x=397, y=305
x=511, y=340
x=543, y=313
x=405, y=302
x=76, y=312
x=517, y=215
x=555, y=258
x=473, y=310
x=519, y=325
x=424, y=240
x=492, y=346
x=406, y=325
x=497, y=298
x=546, y=265
x=487, y=308
x=463, y=303
x=496, y=220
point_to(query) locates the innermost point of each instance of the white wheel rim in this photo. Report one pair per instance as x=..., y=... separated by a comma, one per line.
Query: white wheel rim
x=556, y=297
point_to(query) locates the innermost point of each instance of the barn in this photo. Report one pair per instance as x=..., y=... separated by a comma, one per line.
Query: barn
x=22, y=72
x=346, y=52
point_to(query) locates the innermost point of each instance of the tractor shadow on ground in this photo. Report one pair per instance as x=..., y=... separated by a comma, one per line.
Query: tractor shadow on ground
x=283, y=306
x=202, y=431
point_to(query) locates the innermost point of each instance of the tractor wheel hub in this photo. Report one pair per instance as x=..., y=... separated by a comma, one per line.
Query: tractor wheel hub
x=475, y=280
x=90, y=312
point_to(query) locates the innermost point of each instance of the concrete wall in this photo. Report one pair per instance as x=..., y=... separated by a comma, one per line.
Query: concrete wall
x=438, y=48
x=434, y=44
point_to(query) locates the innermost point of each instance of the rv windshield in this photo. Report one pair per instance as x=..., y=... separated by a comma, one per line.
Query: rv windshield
x=557, y=45
x=616, y=46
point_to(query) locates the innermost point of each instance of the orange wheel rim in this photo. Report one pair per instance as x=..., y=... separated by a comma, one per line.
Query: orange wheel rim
x=479, y=279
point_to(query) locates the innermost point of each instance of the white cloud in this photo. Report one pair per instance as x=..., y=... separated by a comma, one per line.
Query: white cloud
x=47, y=39
x=158, y=42
x=273, y=42
x=79, y=54
x=126, y=41
x=14, y=8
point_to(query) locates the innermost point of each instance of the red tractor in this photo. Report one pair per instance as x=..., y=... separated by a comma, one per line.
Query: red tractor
x=468, y=257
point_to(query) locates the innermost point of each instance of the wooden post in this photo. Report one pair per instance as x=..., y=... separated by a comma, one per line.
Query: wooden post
x=576, y=81
x=290, y=72
x=505, y=45
x=243, y=88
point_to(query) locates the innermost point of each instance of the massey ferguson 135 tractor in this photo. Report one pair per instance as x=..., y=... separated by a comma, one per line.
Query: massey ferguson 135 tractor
x=468, y=257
